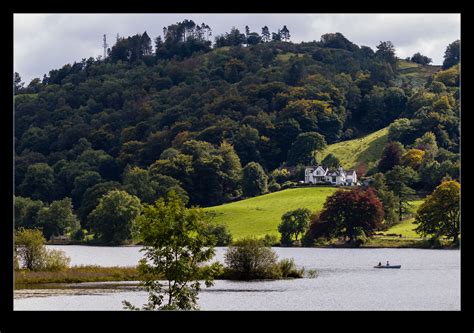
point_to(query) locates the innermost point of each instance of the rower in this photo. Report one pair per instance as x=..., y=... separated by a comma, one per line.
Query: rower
x=388, y=263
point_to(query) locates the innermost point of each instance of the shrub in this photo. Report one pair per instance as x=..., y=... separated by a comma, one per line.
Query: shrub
x=311, y=273
x=270, y=240
x=55, y=260
x=280, y=175
x=288, y=184
x=288, y=269
x=249, y=259
x=220, y=232
x=274, y=187
x=31, y=252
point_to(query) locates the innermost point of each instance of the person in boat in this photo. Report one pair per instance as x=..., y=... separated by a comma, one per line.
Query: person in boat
x=380, y=264
x=388, y=263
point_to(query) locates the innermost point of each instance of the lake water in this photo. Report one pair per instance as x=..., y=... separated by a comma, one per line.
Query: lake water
x=428, y=280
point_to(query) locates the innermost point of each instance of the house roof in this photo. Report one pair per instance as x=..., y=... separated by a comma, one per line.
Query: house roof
x=332, y=172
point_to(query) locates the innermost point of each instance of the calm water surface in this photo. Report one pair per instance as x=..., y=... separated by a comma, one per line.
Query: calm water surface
x=428, y=280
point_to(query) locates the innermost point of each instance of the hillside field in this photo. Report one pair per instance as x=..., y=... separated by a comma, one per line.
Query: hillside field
x=367, y=149
x=414, y=74
x=261, y=215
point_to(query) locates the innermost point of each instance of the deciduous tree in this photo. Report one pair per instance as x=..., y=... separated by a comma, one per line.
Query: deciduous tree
x=254, y=180
x=439, y=215
x=304, y=148
x=391, y=156
x=58, y=218
x=294, y=223
x=346, y=211
x=111, y=220
x=177, y=249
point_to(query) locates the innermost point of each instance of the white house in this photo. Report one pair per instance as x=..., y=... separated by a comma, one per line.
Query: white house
x=321, y=175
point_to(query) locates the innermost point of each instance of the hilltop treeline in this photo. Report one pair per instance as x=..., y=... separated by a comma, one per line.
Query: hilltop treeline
x=188, y=115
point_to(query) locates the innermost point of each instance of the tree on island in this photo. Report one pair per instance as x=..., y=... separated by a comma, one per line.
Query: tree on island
x=176, y=247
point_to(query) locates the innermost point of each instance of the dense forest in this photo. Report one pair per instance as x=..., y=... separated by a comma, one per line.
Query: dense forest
x=218, y=121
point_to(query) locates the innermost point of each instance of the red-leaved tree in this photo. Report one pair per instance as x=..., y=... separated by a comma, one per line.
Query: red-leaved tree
x=346, y=211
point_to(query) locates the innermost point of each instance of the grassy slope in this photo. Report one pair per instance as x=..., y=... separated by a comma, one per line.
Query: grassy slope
x=414, y=73
x=406, y=227
x=261, y=215
x=368, y=149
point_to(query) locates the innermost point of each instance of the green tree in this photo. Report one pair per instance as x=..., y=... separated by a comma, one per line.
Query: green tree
x=420, y=59
x=265, y=34
x=82, y=183
x=58, y=218
x=428, y=144
x=254, y=180
x=294, y=223
x=220, y=232
x=399, y=180
x=296, y=72
x=388, y=198
x=18, y=84
x=439, y=215
x=231, y=170
x=176, y=249
x=138, y=182
x=304, y=148
x=331, y=161
x=402, y=130
x=285, y=34
x=452, y=54
x=111, y=220
x=39, y=182
x=26, y=212
x=386, y=51
x=91, y=198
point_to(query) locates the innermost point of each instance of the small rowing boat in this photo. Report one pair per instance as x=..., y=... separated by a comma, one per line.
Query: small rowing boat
x=390, y=266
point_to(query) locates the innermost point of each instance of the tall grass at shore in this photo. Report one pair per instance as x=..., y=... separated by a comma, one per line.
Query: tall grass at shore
x=77, y=274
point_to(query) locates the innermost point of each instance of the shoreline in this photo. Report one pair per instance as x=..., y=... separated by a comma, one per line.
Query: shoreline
x=372, y=243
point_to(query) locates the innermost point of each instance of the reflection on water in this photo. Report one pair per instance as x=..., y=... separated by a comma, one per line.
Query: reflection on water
x=428, y=280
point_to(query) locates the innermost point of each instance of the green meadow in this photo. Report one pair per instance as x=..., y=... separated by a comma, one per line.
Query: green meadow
x=261, y=215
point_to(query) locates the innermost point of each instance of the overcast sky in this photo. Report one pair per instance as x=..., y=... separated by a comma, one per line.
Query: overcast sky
x=48, y=41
